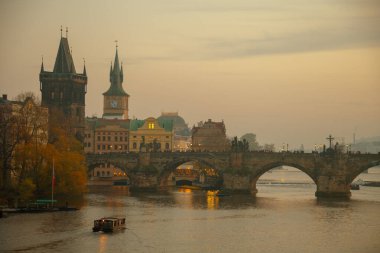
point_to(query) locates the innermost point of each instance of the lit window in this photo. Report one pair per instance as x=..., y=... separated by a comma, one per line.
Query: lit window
x=151, y=125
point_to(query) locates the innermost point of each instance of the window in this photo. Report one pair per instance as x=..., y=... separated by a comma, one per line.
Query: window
x=98, y=174
x=104, y=138
x=108, y=173
x=134, y=145
x=109, y=138
x=52, y=95
x=167, y=146
x=151, y=125
x=125, y=138
x=98, y=138
x=61, y=95
x=89, y=144
x=108, y=147
x=115, y=138
x=103, y=147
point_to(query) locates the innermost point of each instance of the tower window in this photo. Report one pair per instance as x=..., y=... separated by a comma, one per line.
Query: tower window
x=52, y=95
x=61, y=95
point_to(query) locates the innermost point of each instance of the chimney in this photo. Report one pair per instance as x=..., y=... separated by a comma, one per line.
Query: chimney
x=5, y=97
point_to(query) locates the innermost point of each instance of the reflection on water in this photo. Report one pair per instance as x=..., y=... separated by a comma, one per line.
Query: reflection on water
x=185, y=220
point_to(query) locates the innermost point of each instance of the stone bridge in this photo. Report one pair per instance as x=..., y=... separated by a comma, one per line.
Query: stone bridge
x=332, y=173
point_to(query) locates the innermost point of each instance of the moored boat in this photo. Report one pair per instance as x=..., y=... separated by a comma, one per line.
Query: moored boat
x=108, y=224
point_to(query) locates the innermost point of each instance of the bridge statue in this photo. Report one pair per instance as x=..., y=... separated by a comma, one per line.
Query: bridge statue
x=332, y=172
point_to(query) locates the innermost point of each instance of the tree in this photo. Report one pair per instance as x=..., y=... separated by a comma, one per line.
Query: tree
x=251, y=139
x=269, y=147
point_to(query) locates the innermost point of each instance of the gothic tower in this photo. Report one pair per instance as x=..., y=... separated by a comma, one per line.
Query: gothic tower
x=63, y=91
x=115, y=98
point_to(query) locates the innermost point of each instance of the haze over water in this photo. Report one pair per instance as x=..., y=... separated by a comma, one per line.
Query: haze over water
x=284, y=217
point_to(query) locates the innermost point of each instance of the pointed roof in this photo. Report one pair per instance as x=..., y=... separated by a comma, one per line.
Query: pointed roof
x=42, y=65
x=64, y=62
x=116, y=78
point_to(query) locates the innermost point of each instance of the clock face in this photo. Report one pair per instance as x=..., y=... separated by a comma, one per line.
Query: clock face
x=113, y=103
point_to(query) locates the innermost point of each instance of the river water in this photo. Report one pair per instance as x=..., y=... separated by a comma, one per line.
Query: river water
x=284, y=217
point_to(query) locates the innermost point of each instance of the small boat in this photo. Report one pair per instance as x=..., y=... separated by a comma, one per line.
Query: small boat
x=108, y=224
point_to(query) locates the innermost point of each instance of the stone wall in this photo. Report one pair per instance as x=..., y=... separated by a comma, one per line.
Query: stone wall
x=236, y=183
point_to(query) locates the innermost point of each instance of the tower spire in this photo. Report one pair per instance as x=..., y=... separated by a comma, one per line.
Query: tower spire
x=84, y=67
x=42, y=64
x=116, y=77
x=121, y=72
x=67, y=32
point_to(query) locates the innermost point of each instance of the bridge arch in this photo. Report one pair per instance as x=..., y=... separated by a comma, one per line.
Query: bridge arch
x=171, y=166
x=356, y=172
x=267, y=167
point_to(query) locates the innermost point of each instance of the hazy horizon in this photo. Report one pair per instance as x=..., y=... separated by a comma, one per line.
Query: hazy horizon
x=289, y=71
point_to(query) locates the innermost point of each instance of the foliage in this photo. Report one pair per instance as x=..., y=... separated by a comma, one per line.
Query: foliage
x=26, y=189
x=251, y=139
x=27, y=155
x=269, y=147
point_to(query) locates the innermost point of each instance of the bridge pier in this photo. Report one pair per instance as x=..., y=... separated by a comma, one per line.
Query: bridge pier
x=333, y=187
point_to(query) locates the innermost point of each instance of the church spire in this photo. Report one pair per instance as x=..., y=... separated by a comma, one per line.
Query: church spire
x=121, y=72
x=84, y=67
x=116, y=78
x=42, y=65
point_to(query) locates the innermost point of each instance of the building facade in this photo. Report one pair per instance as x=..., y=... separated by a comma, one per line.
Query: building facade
x=63, y=91
x=150, y=135
x=106, y=136
x=210, y=136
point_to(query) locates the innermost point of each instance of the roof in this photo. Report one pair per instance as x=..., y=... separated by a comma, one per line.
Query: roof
x=136, y=124
x=64, y=62
x=116, y=78
x=167, y=125
x=99, y=122
x=178, y=123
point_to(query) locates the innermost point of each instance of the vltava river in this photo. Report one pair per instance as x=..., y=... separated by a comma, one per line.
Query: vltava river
x=284, y=217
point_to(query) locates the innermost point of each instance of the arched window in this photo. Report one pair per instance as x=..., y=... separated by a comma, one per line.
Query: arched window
x=134, y=145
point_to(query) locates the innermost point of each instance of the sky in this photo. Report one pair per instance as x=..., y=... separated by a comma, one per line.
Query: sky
x=290, y=71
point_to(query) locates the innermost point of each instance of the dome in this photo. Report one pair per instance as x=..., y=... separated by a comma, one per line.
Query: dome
x=179, y=125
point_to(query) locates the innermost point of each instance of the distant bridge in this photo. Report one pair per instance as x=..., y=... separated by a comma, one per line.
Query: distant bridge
x=332, y=173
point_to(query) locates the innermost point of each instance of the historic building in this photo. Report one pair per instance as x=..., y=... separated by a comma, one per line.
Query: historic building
x=182, y=134
x=150, y=135
x=115, y=105
x=63, y=91
x=106, y=135
x=210, y=136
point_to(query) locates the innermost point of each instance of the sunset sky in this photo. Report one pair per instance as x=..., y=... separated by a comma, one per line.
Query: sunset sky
x=291, y=71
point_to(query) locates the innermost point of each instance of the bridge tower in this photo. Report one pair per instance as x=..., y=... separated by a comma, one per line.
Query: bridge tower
x=63, y=91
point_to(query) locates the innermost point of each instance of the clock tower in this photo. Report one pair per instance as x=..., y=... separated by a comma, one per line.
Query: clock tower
x=115, y=98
